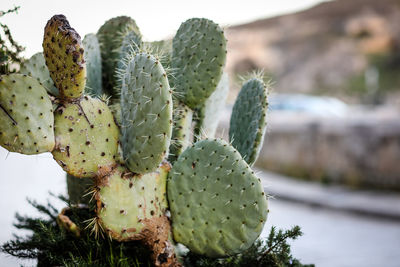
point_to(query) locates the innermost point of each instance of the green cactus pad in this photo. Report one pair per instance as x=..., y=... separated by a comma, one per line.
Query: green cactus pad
x=36, y=68
x=131, y=43
x=86, y=138
x=248, y=119
x=209, y=114
x=198, y=57
x=146, y=108
x=111, y=35
x=26, y=115
x=93, y=65
x=129, y=204
x=181, y=130
x=63, y=52
x=218, y=206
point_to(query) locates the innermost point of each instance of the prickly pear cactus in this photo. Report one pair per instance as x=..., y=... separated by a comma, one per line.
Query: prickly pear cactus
x=111, y=35
x=93, y=65
x=146, y=108
x=218, y=206
x=36, y=68
x=128, y=203
x=198, y=57
x=181, y=130
x=86, y=138
x=248, y=119
x=132, y=207
x=63, y=52
x=26, y=123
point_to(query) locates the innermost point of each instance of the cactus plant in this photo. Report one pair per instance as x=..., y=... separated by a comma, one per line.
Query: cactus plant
x=218, y=206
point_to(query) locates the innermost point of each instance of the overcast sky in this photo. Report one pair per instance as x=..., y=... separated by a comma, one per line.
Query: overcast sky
x=156, y=19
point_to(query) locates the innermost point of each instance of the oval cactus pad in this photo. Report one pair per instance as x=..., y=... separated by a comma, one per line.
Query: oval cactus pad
x=146, y=107
x=127, y=204
x=248, y=120
x=36, y=68
x=26, y=115
x=93, y=65
x=198, y=57
x=63, y=52
x=86, y=138
x=111, y=36
x=218, y=206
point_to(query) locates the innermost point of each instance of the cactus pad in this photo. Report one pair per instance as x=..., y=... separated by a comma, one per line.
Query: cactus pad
x=36, y=67
x=198, y=56
x=86, y=138
x=131, y=43
x=93, y=65
x=181, y=130
x=146, y=108
x=248, y=119
x=218, y=206
x=26, y=115
x=128, y=204
x=111, y=35
x=64, y=57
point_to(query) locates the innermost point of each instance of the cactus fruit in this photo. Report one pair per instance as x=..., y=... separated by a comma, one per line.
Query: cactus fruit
x=93, y=65
x=218, y=206
x=146, y=108
x=248, y=119
x=86, y=138
x=36, y=68
x=64, y=57
x=198, y=57
x=26, y=123
x=111, y=35
x=181, y=130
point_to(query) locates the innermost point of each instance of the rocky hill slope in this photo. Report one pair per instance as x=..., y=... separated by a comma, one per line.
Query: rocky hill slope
x=330, y=48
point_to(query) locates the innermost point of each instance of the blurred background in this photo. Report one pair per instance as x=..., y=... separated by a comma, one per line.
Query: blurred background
x=331, y=155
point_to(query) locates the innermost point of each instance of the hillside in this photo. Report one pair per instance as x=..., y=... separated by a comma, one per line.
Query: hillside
x=325, y=49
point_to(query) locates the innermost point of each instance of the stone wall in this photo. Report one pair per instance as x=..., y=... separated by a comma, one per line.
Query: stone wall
x=358, y=151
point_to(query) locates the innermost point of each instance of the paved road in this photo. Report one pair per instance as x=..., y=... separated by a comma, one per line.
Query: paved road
x=331, y=238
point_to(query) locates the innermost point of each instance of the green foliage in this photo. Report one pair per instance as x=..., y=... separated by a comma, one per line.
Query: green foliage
x=10, y=50
x=274, y=252
x=53, y=246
